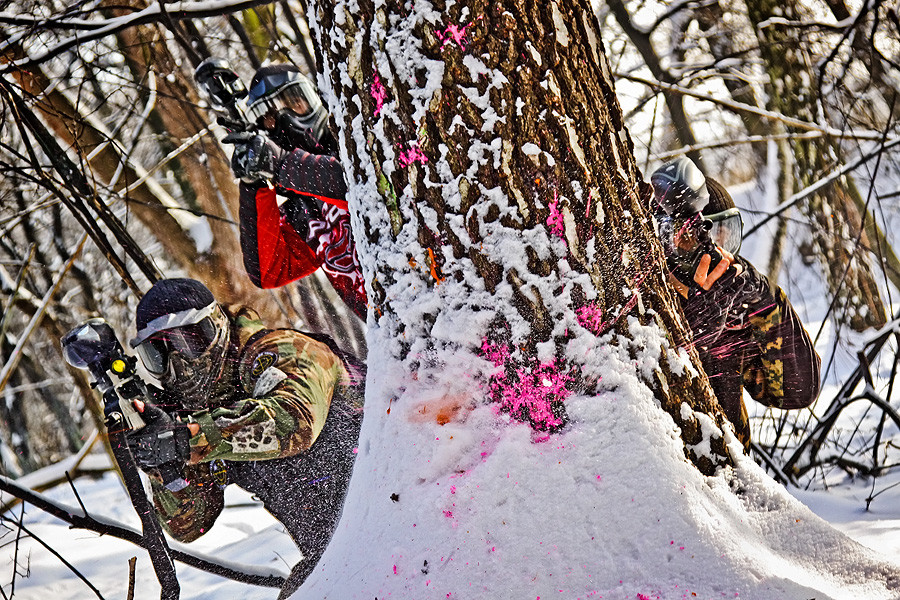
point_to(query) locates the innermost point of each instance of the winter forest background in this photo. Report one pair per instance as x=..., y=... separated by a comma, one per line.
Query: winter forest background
x=113, y=174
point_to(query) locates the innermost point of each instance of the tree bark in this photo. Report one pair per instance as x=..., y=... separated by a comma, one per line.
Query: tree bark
x=493, y=179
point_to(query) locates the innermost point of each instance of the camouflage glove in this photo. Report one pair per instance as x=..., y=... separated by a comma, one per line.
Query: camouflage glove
x=255, y=157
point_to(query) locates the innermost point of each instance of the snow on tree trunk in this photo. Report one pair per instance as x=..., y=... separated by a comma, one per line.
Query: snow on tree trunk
x=513, y=444
x=498, y=210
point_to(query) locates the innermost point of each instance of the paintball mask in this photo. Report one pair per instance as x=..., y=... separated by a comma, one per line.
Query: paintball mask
x=186, y=352
x=678, y=235
x=681, y=193
x=284, y=93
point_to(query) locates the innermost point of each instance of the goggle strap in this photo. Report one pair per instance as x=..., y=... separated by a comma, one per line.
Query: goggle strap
x=181, y=318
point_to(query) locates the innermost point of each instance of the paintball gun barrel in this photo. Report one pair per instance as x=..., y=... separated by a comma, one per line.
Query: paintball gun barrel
x=93, y=345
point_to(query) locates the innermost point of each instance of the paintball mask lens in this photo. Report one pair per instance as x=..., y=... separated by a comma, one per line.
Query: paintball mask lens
x=678, y=235
x=278, y=92
x=188, y=332
x=154, y=355
x=727, y=229
x=190, y=341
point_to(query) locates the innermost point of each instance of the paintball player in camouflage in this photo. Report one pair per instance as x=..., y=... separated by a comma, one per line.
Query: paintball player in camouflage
x=275, y=412
x=747, y=333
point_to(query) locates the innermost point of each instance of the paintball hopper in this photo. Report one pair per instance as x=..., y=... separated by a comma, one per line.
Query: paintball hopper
x=221, y=85
x=91, y=342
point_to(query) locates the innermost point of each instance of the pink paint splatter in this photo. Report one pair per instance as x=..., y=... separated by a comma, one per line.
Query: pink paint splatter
x=590, y=316
x=528, y=392
x=555, y=220
x=454, y=33
x=413, y=155
x=379, y=94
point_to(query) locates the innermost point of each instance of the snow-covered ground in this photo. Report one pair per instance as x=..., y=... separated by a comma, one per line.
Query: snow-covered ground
x=246, y=534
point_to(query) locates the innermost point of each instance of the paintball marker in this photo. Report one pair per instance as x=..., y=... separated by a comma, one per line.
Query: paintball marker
x=225, y=90
x=681, y=193
x=93, y=346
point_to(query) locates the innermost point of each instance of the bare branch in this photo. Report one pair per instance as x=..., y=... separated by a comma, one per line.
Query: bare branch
x=50, y=549
x=94, y=30
x=259, y=576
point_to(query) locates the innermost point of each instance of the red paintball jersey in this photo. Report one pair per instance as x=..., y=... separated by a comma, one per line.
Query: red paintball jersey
x=308, y=231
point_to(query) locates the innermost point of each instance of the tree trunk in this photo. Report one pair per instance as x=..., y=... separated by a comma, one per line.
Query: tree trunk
x=500, y=218
x=835, y=220
x=513, y=280
x=495, y=182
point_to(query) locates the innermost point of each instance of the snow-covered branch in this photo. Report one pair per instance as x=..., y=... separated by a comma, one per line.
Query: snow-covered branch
x=80, y=519
x=90, y=30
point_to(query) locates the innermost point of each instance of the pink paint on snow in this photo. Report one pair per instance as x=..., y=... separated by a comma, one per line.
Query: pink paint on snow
x=413, y=155
x=379, y=94
x=590, y=316
x=529, y=393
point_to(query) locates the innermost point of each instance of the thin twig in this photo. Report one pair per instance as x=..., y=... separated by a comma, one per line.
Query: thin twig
x=82, y=521
x=12, y=587
x=132, y=562
x=75, y=492
x=59, y=556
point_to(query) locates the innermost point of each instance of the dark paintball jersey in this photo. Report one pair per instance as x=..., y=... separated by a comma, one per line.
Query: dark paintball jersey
x=284, y=427
x=749, y=337
x=309, y=230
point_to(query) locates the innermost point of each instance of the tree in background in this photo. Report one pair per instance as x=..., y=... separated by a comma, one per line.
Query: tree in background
x=799, y=64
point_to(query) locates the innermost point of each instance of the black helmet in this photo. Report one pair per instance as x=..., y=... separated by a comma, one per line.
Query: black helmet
x=680, y=188
x=182, y=338
x=283, y=90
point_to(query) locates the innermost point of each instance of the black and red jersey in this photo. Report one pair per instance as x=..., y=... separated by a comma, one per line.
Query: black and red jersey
x=300, y=225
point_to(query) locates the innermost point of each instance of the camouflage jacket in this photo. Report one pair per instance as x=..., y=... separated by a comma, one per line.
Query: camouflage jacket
x=286, y=415
x=749, y=337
